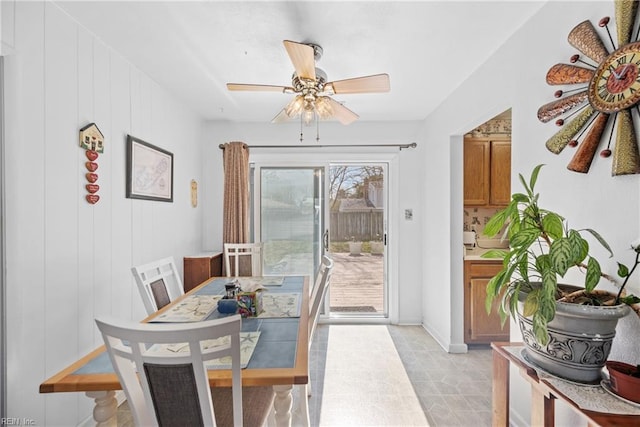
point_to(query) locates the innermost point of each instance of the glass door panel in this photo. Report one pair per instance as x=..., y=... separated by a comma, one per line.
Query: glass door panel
x=357, y=224
x=291, y=219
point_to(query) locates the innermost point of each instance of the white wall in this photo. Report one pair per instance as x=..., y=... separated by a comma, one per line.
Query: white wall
x=69, y=261
x=515, y=77
x=405, y=275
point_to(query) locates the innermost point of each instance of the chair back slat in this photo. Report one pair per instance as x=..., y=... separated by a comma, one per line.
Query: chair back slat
x=246, y=258
x=167, y=384
x=158, y=282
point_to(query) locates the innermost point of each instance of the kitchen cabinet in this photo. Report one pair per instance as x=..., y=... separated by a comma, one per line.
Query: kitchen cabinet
x=198, y=268
x=487, y=172
x=481, y=327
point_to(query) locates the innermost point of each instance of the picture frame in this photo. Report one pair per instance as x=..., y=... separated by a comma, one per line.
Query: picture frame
x=149, y=171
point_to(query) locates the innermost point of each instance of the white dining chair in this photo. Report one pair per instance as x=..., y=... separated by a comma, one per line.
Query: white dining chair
x=318, y=293
x=245, y=256
x=162, y=369
x=159, y=283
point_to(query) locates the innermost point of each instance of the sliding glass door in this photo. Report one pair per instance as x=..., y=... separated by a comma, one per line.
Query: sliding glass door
x=302, y=212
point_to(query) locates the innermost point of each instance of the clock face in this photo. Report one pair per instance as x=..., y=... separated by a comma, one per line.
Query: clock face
x=616, y=82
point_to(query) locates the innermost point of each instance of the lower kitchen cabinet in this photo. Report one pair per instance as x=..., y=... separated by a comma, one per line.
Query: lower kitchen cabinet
x=480, y=327
x=198, y=268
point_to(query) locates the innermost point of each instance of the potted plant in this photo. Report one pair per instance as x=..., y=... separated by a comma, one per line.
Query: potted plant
x=624, y=378
x=355, y=247
x=570, y=338
x=377, y=247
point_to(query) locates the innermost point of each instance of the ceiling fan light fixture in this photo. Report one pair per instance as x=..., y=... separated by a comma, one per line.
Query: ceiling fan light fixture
x=295, y=106
x=308, y=117
x=323, y=107
x=309, y=113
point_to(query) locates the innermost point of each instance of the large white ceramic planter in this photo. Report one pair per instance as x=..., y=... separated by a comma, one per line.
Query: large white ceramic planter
x=377, y=248
x=580, y=340
x=355, y=248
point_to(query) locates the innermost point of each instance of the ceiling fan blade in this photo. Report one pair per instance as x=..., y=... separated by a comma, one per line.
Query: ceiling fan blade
x=368, y=84
x=561, y=74
x=302, y=57
x=281, y=117
x=259, y=88
x=342, y=113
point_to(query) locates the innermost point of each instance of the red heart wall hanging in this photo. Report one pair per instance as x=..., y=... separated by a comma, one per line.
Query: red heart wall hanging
x=92, y=188
x=91, y=166
x=92, y=177
x=92, y=198
x=91, y=155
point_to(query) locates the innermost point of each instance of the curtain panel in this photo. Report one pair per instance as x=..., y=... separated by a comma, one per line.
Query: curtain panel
x=236, y=193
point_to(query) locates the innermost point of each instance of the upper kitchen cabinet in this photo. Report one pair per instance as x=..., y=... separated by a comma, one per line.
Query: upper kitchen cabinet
x=487, y=172
x=500, y=185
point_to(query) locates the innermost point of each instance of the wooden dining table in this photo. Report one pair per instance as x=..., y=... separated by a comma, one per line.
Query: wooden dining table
x=280, y=357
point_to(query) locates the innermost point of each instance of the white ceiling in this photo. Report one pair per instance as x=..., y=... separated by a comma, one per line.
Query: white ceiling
x=193, y=48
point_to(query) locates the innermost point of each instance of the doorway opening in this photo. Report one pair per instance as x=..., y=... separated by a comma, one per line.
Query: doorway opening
x=487, y=190
x=357, y=235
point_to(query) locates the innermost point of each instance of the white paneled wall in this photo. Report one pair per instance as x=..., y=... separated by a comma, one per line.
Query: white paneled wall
x=69, y=261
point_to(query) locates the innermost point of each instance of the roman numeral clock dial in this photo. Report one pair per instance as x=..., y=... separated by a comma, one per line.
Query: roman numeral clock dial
x=606, y=99
x=616, y=83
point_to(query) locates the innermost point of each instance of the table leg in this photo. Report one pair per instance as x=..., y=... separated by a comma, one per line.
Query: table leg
x=106, y=409
x=542, y=408
x=500, y=397
x=282, y=403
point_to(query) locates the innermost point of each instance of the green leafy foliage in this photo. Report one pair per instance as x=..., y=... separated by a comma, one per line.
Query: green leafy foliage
x=542, y=248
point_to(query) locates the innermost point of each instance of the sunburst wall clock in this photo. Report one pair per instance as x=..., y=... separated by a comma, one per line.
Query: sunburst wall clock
x=599, y=112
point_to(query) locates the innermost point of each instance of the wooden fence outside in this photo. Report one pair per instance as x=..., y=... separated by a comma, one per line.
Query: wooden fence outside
x=360, y=226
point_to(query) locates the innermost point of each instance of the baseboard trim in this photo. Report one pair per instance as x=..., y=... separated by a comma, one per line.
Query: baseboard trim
x=445, y=344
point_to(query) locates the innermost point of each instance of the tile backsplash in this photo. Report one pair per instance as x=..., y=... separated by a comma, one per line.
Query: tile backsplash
x=477, y=216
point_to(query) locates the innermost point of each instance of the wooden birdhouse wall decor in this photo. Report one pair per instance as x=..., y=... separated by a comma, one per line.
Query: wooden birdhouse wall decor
x=92, y=140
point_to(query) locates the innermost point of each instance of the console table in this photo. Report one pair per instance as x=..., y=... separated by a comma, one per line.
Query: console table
x=543, y=394
x=201, y=267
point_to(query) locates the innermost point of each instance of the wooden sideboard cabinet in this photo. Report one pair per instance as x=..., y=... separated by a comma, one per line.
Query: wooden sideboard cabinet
x=479, y=326
x=198, y=268
x=487, y=172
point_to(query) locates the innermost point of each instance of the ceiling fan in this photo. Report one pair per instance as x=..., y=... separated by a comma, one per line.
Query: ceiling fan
x=313, y=92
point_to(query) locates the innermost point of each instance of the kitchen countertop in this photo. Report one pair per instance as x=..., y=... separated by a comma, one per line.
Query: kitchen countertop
x=475, y=254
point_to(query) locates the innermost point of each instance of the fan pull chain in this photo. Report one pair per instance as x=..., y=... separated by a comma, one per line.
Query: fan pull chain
x=301, y=134
x=317, y=128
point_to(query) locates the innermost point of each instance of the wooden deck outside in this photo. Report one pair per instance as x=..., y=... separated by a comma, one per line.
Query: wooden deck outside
x=357, y=283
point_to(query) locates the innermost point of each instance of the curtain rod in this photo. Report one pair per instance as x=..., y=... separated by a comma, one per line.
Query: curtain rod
x=400, y=146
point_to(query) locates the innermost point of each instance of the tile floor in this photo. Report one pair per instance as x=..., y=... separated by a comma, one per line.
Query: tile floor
x=452, y=389
x=419, y=384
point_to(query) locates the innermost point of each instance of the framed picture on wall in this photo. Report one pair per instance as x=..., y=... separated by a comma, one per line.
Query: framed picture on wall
x=149, y=171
